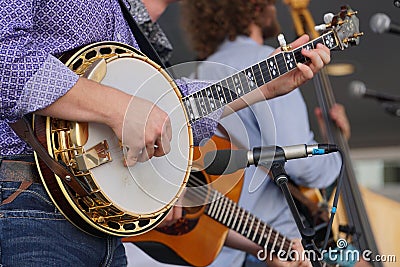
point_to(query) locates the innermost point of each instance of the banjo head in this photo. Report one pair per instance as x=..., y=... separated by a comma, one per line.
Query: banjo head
x=147, y=187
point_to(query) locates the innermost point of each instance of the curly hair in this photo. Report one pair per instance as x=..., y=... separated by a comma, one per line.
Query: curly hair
x=220, y=19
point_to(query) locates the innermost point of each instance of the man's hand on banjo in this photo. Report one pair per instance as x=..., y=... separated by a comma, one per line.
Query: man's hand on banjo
x=146, y=131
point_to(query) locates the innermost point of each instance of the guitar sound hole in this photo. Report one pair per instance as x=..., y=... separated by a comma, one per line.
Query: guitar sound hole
x=196, y=181
x=197, y=178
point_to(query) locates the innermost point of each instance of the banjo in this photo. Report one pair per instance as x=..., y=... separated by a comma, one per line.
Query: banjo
x=126, y=201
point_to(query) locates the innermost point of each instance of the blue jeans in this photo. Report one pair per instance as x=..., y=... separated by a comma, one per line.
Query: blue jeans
x=34, y=233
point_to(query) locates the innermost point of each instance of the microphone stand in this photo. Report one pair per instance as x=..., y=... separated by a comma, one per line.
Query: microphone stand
x=280, y=177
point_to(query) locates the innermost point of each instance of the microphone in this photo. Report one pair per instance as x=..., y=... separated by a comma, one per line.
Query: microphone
x=228, y=161
x=392, y=109
x=380, y=23
x=358, y=89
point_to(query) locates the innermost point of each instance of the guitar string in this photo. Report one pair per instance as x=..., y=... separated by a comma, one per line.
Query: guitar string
x=202, y=194
x=240, y=211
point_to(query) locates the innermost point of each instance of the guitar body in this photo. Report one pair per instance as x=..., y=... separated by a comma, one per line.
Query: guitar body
x=122, y=200
x=201, y=243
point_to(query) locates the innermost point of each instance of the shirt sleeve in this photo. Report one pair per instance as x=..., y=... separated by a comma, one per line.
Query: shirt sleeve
x=31, y=78
x=204, y=128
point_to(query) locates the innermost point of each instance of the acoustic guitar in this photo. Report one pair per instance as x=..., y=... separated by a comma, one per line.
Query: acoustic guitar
x=102, y=196
x=198, y=237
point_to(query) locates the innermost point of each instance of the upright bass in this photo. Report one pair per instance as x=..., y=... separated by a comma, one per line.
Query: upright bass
x=363, y=221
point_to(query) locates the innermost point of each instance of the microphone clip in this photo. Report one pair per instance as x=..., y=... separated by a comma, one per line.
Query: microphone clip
x=278, y=173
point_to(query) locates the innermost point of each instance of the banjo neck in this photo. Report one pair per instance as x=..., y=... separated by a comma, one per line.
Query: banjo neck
x=341, y=33
x=213, y=97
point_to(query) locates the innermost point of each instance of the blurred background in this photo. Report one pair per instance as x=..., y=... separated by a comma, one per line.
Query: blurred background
x=375, y=140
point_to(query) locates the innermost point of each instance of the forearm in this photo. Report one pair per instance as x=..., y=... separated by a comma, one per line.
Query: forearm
x=236, y=241
x=90, y=101
x=246, y=100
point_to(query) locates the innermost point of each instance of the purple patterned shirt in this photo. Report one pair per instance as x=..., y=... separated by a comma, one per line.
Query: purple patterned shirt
x=32, y=35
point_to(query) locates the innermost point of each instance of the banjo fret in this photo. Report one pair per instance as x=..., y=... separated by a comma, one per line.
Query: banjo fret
x=253, y=77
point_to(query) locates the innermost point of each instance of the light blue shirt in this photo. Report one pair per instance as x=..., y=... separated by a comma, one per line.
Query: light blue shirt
x=281, y=121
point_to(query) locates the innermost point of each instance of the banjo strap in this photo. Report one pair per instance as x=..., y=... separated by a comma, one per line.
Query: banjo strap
x=145, y=46
x=24, y=130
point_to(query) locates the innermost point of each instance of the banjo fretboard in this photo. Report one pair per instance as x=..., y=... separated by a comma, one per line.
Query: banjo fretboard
x=209, y=99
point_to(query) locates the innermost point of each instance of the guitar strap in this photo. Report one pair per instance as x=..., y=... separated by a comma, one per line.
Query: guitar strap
x=145, y=46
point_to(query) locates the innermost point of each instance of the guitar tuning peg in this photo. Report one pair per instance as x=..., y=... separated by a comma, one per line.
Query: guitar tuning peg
x=282, y=43
x=353, y=38
x=349, y=14
x=321, y=27
x=358, y=34
x=328, y=18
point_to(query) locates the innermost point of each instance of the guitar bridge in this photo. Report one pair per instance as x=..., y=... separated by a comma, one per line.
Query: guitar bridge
x=93, y=157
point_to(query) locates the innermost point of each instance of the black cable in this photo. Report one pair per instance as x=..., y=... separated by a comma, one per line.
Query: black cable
x=335, y=202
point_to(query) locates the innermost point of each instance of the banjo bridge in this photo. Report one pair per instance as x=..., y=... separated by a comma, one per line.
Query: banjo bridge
x=93, y=157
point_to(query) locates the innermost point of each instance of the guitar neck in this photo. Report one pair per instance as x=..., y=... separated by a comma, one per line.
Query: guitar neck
x=225, y=91
x=228, y=213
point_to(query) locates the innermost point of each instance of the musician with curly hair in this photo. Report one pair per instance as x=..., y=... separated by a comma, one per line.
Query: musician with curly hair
x=229, y=36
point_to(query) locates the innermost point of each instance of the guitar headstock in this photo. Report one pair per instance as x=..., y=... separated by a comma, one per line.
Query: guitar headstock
x=345, y=26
